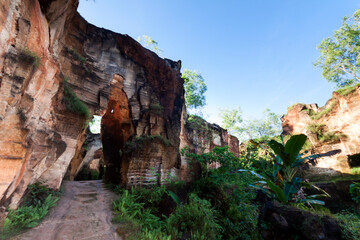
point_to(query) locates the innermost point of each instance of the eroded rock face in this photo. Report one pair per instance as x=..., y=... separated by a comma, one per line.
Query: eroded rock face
x=341, y=120
x=201, y=137
x=48, y=49
x=42, y=43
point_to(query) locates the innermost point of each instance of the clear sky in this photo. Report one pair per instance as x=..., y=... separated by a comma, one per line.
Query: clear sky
x=253, y=54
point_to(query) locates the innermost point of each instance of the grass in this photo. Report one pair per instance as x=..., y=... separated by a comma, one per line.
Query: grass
x=34, y=208
x=31, y=57
x=347, y=90
x=139, y=142
x=77, y=56
x=355, y=192
x=355, y=170
x=203, y=132
x=318, y=115
x=156, y=108
x=350, y=222
x=219, y=205
x=308, y=145
x=322, y=135
x=73, y=103
x=292, y=106
x=138, y=215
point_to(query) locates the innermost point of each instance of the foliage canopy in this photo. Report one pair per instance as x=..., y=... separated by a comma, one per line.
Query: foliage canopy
x=340, y=55
x=231, y=120
x=195, y=89
x=151, y=43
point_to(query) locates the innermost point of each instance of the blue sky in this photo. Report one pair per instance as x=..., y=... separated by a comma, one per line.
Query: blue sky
x=253, y=54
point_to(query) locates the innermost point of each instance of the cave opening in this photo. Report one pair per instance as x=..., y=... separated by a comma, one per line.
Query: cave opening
x=89, y=165
x=116, y=129
x=354, y=160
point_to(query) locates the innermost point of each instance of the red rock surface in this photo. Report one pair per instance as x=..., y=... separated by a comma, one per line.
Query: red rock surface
x=138, y=94
x=39, y=137
x=342, y=119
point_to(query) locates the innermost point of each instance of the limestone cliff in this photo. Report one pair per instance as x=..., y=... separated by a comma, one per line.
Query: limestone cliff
x=333, y=126
x=56, y=71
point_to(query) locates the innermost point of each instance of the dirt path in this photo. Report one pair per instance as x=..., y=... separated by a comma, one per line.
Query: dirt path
x=83, y=212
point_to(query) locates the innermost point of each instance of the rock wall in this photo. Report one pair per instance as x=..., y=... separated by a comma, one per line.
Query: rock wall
x=200, y=137
x=338, y=127
x=52, y=62
x=44, y=43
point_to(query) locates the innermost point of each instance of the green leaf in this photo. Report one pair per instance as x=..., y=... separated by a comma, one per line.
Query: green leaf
x=278, y=149
x=294, y=145
x=264, y=190
x=174, y=197
x=278, y=191
x=313, y=201
x=291, y=188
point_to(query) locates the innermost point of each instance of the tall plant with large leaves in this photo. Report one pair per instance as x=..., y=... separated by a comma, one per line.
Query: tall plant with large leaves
x=283, y=184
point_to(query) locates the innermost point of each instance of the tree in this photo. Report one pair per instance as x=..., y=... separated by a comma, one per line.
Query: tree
x=231, y=120
x=340, y=55
x=149, y=42
x=268, y=126
x=195, y=89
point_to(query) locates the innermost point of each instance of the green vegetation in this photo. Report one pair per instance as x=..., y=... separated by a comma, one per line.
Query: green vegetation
x=350, y=222
x=283, y=185
x=323, y=135
x=196, y=122
x=219, y=205
x=139, y=142
x=318, y=115
x=355, y=192
x=347, y=90
x=201, y=126
x=77, y=56
x=195, y=89
x=268, y=126
x=231, y=120
x=149, y=42
x=219, y=202
x=30, y=57
x=292, y=106
x=196, y=218
x=355, y=170
x=156, y=108
x=339, y=55
x=34, y=208
x=73, y=103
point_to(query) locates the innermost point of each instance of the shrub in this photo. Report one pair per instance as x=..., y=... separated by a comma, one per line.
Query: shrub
x=322, y=135
x=142, y=205
x=355, y=170
x=36, y=205
x=317, y=116
x=30, y=57
x=156, y=108
x=347, y=90
x=283, y=184
x=350, y=222
x=73, y=103
x=355, y=192
x=291, y=107
x=196, y=219
x=77, y=56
